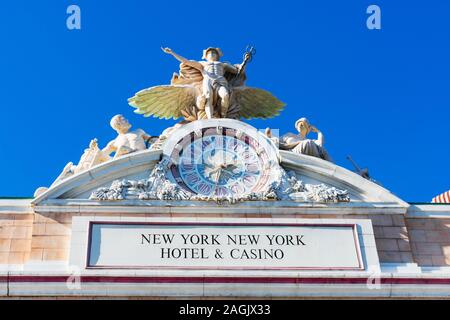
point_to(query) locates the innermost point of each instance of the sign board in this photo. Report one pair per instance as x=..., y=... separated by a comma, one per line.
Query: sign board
x=224, y=246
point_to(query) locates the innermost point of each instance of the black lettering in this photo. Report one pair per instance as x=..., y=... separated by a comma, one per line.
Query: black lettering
x=146, y=239
x=195, y=253
x=204, y=239
x=253, y=239
x=214, y=239
x=300, y=241
x=242, y=240
x=185, y=237
x=168, y=238
x=268, y=253
x=156, y=239
x=277, y=240
x=279, y=254
x=195, y=239
x=203, y=254
x=289, y=240
x=165, y=251
x=176, y=253
x=230, y=239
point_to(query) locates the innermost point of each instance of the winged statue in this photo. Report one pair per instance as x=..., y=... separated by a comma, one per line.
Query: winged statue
x=207, y=89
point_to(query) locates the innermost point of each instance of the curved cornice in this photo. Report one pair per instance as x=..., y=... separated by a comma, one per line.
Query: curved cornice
x=141, y=162
x=101, y=174
x=338, y=176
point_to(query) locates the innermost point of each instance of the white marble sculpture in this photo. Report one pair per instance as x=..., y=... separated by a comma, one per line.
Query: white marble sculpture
x=206, y=157
x=91, y=157
x=126, y=142
x=299, y=143
x=207, y=89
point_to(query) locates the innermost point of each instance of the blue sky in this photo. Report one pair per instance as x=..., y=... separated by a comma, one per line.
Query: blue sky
x=381, y=96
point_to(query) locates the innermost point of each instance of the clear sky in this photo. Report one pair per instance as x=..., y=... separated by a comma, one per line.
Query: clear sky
x=381, y=96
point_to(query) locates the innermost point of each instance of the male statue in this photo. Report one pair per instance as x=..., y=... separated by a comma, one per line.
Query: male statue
x=126, y=141
x=207, y=89
x=214, y=82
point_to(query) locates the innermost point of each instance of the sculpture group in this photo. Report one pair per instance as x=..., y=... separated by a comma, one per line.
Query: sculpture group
x=205, y=89
x=213, y=89
x=126, y=142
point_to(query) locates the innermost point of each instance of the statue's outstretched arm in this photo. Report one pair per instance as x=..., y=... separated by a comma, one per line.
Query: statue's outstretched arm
x=190, y=63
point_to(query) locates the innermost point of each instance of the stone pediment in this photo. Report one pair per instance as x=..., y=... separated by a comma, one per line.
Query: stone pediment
x=211, y=159
x=77, y=190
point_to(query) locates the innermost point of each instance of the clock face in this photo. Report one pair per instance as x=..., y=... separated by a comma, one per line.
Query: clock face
x=220, y=162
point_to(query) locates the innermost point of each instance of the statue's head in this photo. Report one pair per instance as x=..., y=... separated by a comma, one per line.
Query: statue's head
x=120, y=124
x=212, y=54
x=303, y=127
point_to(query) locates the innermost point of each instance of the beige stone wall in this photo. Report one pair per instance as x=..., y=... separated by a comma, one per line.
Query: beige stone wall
x=51, y=237
x=52, y=234
x=46, y=237
x=391, y=236
x=430, y=241
x=15, y=237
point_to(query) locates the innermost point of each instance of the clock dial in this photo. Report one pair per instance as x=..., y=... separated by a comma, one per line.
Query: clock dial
x=220, y=162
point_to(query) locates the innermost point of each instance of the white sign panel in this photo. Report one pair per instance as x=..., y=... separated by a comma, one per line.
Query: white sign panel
x=224, y=246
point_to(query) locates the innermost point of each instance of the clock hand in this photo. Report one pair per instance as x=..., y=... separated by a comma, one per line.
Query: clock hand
x=213, y=173
x=230, y=173
x=231, y=167
x=216, y=183
x=209, y=165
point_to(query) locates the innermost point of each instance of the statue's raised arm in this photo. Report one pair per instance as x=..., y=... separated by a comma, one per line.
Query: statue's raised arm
x=193, y=64
x=207, y=89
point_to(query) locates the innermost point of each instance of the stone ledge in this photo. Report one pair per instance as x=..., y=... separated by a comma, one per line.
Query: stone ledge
x=15, y=206
x=384, y=285
x=267, y=207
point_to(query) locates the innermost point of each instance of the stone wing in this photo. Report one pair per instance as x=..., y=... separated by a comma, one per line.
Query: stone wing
x=251, y=103
x=164, y=102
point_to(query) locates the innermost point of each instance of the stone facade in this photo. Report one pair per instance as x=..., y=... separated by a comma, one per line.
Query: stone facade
x=46, y=236
x=15, y=238
x=51, y=237
x=430, y=241
x=411, y=242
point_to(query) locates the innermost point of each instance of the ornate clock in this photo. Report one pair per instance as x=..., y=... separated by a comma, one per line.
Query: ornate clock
x=220, y=158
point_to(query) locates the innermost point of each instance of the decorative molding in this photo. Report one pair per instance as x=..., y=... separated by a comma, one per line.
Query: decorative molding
x=158, y=187
x=429, y=211
x=373, y=197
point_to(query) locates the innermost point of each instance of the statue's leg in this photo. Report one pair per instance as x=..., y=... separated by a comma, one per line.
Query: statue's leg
x=122, y=151
x=225, y=101
x=207, y=96
x=201, y=102
x=209, y=108
x=201, y=106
